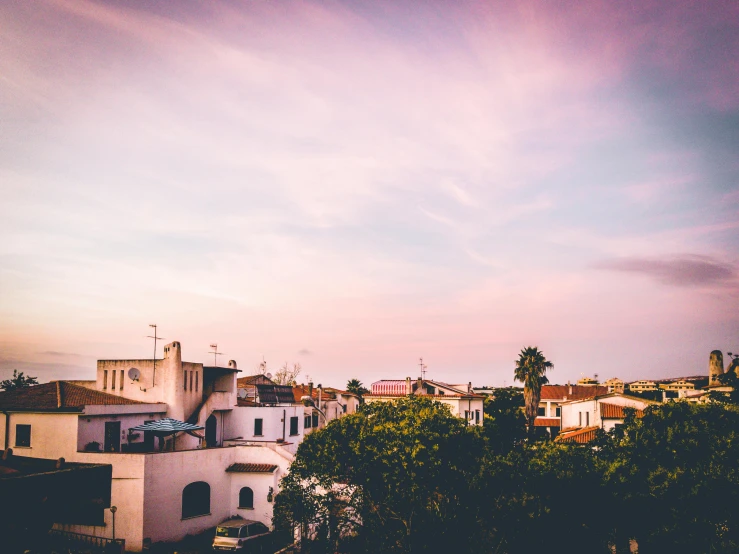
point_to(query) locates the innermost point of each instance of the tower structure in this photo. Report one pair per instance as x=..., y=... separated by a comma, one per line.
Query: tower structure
x=715, y=367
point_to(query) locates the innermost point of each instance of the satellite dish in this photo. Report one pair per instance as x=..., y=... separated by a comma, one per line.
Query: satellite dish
x=268, y=376
x=242, y=393
x=134, y=374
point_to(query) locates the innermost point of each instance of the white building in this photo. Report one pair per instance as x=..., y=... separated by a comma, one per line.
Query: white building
x=163, y=490
x=553, y=396
x=580, y=418
x=463, y=402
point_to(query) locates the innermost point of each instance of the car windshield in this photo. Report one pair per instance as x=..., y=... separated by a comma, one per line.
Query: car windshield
x=232, y=532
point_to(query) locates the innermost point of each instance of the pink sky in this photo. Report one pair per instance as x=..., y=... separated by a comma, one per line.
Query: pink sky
x=352, y=185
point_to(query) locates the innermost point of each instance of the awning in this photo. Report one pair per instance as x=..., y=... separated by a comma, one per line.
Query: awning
x=169, y=426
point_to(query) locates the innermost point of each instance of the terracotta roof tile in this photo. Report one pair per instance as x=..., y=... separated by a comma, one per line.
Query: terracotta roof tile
x=614, y=411
x=58, y=395
x=546, y=422
x=571, y=392
x=580, y=436
x=251, y=468
x=299, y=391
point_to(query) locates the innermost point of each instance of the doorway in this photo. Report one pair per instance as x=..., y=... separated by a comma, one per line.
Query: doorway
x=112, y=436
x=211, y=428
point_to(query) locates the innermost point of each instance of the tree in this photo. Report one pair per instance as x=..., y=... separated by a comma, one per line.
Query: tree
x=393, y=477
x=287, y=375
x=18, y=381
x=531, y=368
x=504, y=424
x=355, y=386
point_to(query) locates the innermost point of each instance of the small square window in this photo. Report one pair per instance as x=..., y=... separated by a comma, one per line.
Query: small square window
x=258, y=427
x=294, y=425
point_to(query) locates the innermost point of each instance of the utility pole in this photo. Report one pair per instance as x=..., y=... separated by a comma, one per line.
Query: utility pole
x=154, y=359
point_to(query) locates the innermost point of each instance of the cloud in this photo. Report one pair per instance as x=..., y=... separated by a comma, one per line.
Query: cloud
x=305, y=352
x=687, y=270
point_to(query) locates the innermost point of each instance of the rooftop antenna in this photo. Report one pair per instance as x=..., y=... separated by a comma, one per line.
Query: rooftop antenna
x=154, y=359
x=263, y=366
x=215, y=354
x=423, y=368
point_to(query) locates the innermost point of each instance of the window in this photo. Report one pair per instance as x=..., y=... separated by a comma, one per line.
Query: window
x=293, y=425
x=196, y=381
x=558, y=411
x=579, y=418
x=541, y=411
x=120, y=386
x=246, y=498
x=587, y=419
x=314, y=419
x=477, y=416
x=191, y=380
x=196, y=499
x=306, y=422
x=258, y=427
x=22, y=435
x=105, y=379
x=185, y=380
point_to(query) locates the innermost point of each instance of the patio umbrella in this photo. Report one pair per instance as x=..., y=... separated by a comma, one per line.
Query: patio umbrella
x=167, y=426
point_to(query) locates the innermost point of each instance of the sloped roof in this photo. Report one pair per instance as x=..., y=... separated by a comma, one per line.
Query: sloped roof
x=580, y=436
x=547, y=422
x=614, y=411
x=59, y=396
x=257, y=379
x=571, y=392
x=251, y=468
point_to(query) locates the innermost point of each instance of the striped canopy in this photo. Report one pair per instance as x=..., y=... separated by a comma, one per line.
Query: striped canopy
x=167, y=426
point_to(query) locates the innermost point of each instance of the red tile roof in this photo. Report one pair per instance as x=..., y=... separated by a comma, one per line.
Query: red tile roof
x=58, y=396
x=571, y=392
x=614, y=411
x=546, y=422
x=299, y=391
x=580, y=436
x=251, y=468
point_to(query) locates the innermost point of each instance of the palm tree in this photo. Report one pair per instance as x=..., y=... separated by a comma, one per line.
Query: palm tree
x=531, y=367
x=355, y=386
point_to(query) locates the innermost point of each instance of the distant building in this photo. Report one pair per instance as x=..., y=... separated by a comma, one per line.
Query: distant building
x=614, y=384
x=553, y=396
x=677, y=386
x=461, y=399
x=581, y=418
x=587, y=382
x=642, y=386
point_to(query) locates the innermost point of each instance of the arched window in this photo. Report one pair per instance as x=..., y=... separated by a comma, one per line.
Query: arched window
x=246, y=498
x=196, y=499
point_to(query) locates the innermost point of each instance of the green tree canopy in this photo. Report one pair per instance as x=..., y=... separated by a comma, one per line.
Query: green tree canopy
x=355, y=386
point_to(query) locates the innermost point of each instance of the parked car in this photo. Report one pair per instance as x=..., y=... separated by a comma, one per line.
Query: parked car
x=242, y=535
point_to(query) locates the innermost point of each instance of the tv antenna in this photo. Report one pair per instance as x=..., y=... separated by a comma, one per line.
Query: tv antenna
x=154, y=359
x=215, y=354
x=423, y=368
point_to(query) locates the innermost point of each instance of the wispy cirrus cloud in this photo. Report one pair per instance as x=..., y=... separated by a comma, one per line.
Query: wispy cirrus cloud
x=683, y=271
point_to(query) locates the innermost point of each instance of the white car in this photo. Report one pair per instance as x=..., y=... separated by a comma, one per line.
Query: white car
x=242, y=535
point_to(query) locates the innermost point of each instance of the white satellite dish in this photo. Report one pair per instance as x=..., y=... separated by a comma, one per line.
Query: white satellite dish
x=242, y=393
x=268, y=376
x=134, y=374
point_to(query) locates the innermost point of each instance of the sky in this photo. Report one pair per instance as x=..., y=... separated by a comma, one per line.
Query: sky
x=354, y=185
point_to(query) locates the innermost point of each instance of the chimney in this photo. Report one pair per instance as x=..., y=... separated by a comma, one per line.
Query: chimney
x=310, y=388
x=419, y=386
x=569, y=390
x=469, y=387
x=408, y=386
x=232, y=364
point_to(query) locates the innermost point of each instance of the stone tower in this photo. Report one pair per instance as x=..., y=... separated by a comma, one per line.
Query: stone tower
x=715, y=367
